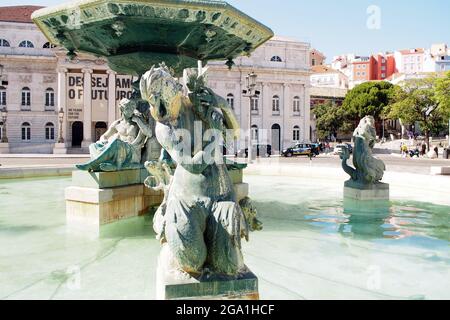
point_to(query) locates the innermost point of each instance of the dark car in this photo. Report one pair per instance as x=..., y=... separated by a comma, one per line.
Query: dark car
x=301, y=149
x=262, y=150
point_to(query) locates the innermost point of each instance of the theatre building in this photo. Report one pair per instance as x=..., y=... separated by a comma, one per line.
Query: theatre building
x=40, y=88
x=42, y=91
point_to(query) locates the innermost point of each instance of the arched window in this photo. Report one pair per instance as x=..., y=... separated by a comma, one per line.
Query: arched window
x=276, y=59
x=26, y=44
x=26, y=131
x=50, y=98
x=230, y=100
x=254, y=102
x=49, y=131
x=26, y=97
x=2, y=96
x=296, y=133
x=276, y=104
x=4, y=43
x=254, y=132
x=296, y=105
x=48, y=45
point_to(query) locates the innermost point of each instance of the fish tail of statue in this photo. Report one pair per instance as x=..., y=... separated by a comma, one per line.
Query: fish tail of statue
x=184, y=228
x=223, y=236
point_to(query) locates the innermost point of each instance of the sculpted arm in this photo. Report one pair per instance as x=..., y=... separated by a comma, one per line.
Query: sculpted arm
x=110, y=132
x=143, y=126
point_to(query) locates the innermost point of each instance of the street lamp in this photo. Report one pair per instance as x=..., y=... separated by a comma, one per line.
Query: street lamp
x=250, y=83
x=61, y=119
x=4, y=114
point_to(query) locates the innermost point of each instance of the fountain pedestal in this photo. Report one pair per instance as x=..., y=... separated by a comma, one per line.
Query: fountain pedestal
x=172, y=285
x=99, y=198
x=356, y=191
x=244, y=287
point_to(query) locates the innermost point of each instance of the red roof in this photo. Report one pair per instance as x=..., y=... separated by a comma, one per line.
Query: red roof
x=18, y=13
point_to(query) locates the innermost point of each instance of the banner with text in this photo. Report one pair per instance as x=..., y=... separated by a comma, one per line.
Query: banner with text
x=99, y=98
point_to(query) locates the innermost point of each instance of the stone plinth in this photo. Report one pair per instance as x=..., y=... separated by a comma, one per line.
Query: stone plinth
x=102, y=180
x=242, y=287
x=377, y=191
x=60, y=148
x=4, y=148
x=99, y=198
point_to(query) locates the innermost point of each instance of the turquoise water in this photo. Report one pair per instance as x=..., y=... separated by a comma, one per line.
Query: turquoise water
x=313, y=246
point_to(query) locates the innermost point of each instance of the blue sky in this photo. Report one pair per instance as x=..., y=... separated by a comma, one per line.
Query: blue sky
x=340, y=26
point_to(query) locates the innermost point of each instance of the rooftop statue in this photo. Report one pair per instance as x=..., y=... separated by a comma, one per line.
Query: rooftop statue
x=121, y=147
x=200, y=223
x=367, y=170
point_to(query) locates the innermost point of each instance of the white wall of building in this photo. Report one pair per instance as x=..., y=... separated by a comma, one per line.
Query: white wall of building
x=287, y=79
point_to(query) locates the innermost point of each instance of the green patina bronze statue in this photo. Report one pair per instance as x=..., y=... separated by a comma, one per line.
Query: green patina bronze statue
x=121, y=147
x=367, y=170
x=200, y=223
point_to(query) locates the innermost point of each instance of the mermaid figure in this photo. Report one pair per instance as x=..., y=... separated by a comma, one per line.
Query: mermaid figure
x=201, y=223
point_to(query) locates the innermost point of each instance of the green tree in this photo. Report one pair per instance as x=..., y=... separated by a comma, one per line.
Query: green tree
x=416, y=102
x=329, y=120
x=367, y=99
x=443, y=93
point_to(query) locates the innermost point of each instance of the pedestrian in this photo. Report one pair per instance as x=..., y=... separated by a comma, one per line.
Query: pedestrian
x=424, y=149
x=405, y=150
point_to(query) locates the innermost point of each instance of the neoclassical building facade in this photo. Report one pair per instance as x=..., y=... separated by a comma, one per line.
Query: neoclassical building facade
x=280, y=115
x=41, y=88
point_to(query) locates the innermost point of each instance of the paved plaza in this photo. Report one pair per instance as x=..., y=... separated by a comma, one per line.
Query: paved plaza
x=393, y=162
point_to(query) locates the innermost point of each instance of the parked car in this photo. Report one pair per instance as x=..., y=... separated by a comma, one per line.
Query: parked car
x=338, y=148
x=301, y=149
x=262, y=150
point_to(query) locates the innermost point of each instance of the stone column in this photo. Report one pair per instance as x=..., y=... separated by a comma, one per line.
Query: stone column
x=285, y=112
x=87, y=108
x=111, y=97
x=61, y=148
x=307, y=114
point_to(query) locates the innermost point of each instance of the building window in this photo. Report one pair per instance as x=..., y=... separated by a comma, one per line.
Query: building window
x=49, y=131
x=313, y=62
x=296, y=105
x=26, y=44
x=26, y=131
x=4, y=43
x=48, y=45
x=254, y=132
x=254, y=104
x=50, y=98
x=1, y=130
x=2, y=96
x=276, y=59
x=296, y=133
x=230, y=100
x=26, y=98
x=276, y=104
